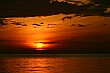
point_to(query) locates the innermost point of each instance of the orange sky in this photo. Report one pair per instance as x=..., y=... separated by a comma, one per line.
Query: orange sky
x=52, y=29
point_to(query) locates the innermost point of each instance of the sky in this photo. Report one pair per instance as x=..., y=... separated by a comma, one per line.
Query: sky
x=56, y=27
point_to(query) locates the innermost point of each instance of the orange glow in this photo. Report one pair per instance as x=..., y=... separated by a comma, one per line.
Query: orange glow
x=34, y=37
x=40, y=45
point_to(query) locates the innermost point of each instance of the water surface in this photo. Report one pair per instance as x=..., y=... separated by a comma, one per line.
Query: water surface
x=55, y=65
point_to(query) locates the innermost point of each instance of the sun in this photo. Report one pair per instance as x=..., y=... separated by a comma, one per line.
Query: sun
x=40, y=45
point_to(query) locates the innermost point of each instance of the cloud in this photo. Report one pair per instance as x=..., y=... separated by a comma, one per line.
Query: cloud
x=42, y=23
x=72, y=25
x=47, y=42
x=51, y=24
x=67, y=17
x=2, y=22
x=24, y=25
x=108, y=10
x=50, y=27
x=16, y=23
x=5, y=40
x=101, y=2
x=36, y=24
x=81, y=25
x=45, y=8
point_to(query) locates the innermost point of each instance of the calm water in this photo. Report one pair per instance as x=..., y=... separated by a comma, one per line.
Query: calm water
x=55, y=65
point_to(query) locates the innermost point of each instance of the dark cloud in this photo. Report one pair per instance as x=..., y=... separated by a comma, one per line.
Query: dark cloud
x=105, y=24
x=51, y=24
x=2, y=40
x=42, y=23
x=81, y=25
x=16, y=23
x=50, y=27
x=78, y=25
x=5, y=40
x=67, y=17
x=47, y=42
x=2, y=22
x=24, y=25
x=44, y=8
x=102, y=2
x=36, y=24
x=72, y=25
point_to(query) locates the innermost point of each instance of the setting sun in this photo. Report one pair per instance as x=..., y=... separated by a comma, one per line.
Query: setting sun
x=40, y=45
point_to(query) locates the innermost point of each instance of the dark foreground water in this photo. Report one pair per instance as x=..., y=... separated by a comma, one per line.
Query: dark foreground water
x=55, y=64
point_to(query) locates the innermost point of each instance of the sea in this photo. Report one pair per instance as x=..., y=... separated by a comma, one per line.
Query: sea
x=55, y=63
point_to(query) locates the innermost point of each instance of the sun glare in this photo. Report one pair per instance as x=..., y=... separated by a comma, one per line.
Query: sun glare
x=40, y=45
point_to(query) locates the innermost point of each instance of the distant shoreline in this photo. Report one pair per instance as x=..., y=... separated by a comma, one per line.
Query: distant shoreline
x=51, y=55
